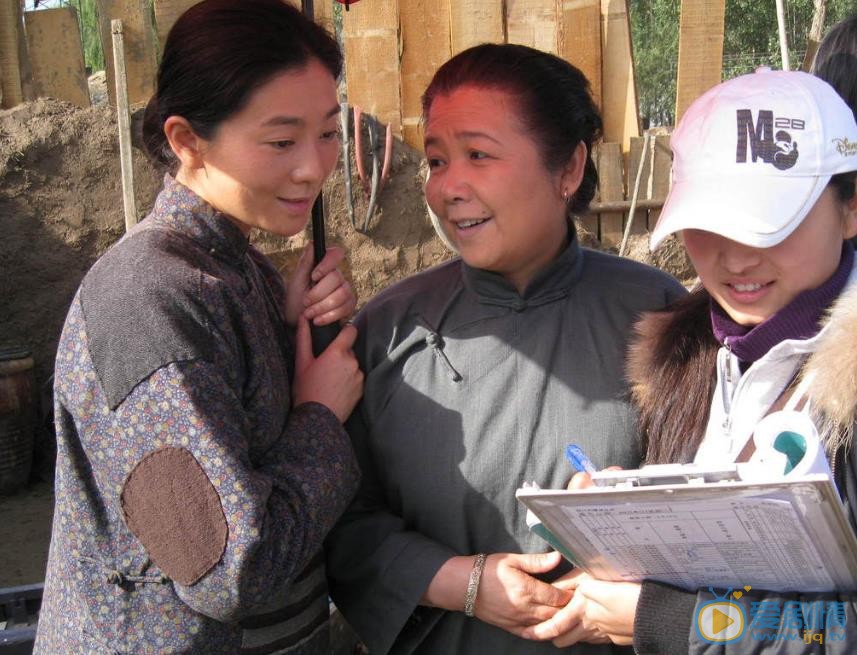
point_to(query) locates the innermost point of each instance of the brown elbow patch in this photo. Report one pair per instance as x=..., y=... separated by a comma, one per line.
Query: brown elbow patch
x=173, y=509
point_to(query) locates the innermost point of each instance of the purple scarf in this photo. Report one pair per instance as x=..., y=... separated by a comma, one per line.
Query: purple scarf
x=798, y=320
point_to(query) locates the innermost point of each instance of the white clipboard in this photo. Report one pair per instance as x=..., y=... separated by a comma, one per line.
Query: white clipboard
x=777, y=535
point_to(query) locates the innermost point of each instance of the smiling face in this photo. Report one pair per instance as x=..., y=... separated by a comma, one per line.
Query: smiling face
x=266, y=164
x=498, y=203
x=752, y=284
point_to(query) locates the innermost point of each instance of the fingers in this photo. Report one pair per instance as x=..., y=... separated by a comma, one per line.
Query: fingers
x=328, y=264
x=580, y=480
x=334, y=378
x=538, y=562
x=331, y=300
x=581, y=633
x=542, y=593
x=511, y=598
x=568, y=626
x=304, y=268
x=611, y=605
x=563, y=621
x=571, y=580
x=303, y=345
x=345, y=339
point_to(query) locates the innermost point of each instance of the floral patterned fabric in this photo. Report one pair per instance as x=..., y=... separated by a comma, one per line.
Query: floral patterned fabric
x=176, y=339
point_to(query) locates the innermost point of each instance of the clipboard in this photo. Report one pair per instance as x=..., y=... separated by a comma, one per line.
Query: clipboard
x=694, y=531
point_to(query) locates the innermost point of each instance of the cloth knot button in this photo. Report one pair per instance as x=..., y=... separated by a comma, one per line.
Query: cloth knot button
x=115, y=577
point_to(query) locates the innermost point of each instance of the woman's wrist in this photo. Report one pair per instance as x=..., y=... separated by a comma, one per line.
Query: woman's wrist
x=448, y=588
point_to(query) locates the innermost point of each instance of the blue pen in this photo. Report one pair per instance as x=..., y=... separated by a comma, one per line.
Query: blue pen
x=578, y=459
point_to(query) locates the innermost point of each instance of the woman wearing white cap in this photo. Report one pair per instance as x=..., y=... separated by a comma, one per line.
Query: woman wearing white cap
x=764, y=200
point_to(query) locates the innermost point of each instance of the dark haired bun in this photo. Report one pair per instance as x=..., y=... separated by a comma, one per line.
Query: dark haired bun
x=154, y=140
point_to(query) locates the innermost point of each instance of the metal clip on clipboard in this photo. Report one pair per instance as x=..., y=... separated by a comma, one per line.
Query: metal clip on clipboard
x=667, y=474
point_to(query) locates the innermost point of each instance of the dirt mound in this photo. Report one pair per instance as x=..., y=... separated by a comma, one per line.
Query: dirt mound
x=60, y=207
x=670, y=257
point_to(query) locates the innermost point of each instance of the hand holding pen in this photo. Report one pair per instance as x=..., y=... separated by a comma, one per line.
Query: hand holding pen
x=584, y=467
x=580, y=463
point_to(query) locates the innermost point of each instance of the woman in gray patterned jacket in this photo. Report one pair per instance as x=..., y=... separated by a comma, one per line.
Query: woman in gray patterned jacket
x=201, y=453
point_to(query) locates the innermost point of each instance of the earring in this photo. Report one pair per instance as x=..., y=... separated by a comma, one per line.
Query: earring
x=565, y=195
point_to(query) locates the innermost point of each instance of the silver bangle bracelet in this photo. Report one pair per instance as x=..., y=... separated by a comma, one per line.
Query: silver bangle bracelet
x=473, y=584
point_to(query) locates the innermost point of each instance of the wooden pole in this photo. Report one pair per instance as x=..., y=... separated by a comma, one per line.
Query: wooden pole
x=813, y=39
x=700, y=50
x=10, y=61
x=635, y=196
x=425, y=45
x=580, y=40
x=618, y=88
x=781, y=28
x=625, y=205
x=611, y=188
x=124, y=120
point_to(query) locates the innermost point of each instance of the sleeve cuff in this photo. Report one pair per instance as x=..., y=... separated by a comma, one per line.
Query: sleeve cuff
x=664, y=619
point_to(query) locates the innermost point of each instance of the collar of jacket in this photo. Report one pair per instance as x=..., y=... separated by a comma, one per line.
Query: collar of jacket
x=180, y=209
x=549, y=285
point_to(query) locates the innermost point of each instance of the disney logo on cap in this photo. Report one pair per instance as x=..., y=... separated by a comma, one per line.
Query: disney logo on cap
x=845, y=147
x=777, y=149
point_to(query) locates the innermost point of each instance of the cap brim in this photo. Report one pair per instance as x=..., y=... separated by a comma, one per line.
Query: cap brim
x=753, y=210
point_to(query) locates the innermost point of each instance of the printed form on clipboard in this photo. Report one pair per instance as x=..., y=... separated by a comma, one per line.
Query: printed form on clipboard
x=694, y=527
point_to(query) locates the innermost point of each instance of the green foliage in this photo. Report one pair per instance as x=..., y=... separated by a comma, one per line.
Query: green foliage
x=87, y=18
x=654, y=29
x=751, y=39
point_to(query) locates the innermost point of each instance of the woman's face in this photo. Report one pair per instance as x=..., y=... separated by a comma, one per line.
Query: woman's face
x=266, y=164
x=498, y=203
x=752, y=284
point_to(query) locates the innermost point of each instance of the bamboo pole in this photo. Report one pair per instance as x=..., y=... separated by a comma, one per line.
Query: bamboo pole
x=124, y=120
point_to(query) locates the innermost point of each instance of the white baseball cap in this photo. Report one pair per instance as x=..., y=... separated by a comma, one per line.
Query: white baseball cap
x=752, y=156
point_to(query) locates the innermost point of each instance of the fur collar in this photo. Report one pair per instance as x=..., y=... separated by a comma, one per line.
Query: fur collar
x=671, y=360
x=833, y=370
